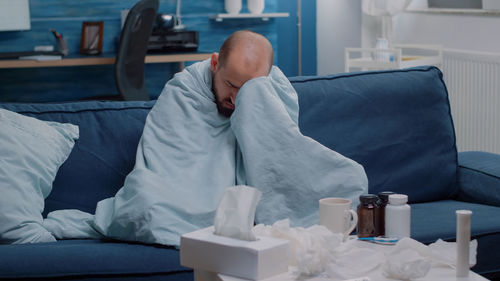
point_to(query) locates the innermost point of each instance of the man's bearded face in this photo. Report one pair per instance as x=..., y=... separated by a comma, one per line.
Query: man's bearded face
x=225, y=93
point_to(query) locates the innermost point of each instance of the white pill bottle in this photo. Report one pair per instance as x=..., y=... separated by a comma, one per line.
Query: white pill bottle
x=397, y=217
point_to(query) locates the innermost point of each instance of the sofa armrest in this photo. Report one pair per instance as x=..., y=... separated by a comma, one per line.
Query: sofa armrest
x=479, y=177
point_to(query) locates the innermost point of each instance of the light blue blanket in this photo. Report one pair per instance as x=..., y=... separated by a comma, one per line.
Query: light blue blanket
x=189, y=154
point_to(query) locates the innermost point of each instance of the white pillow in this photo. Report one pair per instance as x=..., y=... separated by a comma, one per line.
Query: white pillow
x=31, y=152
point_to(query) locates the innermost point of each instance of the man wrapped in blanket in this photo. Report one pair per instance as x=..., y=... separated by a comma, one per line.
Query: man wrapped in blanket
x=226, y=121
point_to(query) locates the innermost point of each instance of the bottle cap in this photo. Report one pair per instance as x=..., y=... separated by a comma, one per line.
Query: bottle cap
x=384, y=196
x=463, y=212
x=398, y=199
x=368, y=198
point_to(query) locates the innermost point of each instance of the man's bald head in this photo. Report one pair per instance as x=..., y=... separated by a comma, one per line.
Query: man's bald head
x=245, y=55
x=251, y=49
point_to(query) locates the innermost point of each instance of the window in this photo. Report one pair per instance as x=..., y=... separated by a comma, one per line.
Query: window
x=465, y=4
x=14, y=15
x=456, y=4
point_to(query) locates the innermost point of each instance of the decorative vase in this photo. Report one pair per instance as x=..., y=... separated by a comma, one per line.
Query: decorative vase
x=232, y=6
x=256, y=6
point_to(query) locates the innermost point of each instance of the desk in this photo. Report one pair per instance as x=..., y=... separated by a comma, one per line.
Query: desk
x=103, y=60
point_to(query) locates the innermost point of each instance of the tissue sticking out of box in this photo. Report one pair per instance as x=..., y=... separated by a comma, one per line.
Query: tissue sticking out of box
x=230, y=246
x=236, y=212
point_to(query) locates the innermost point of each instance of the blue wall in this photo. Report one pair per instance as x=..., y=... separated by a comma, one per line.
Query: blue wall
x=73, y=83
x=288, y=34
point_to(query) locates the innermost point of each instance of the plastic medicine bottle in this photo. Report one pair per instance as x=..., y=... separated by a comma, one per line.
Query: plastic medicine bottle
x=368, y=216
x=397, y=216
x=383, y=200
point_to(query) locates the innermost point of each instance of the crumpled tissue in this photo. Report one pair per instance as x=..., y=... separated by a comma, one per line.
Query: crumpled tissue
x=445, y=253
x=318, y=251
x=315, y=250
x=235, y=213
x=349, y=260
x=411, y=259
x=408, y=260
x=309, y=247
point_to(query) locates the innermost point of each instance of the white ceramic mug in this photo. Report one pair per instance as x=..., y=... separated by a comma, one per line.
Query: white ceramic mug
x=336, y=214
x=255, y=6
x=232, y=6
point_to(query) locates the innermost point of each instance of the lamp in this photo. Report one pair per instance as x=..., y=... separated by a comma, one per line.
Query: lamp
x=178, y=25
x=385, y=9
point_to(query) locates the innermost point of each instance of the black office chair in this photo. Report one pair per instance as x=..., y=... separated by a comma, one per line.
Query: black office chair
x=129, y=65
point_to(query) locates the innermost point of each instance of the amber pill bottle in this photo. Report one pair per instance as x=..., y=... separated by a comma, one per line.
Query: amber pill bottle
x=368, y=216
x=383, y=200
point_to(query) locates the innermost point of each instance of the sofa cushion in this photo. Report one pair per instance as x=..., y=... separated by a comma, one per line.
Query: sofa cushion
x=32, y=152
x=433, y=220
x=395, y=123
x=77, y=258
x=101, y=158
x=479, y=177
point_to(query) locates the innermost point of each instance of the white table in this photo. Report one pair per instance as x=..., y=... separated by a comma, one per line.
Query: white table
x=436, y=273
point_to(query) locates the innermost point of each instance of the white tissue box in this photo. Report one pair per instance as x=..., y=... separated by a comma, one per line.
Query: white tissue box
x=254, y=260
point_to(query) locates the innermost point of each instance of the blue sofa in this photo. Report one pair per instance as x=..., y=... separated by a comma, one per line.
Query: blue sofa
x=397, y=124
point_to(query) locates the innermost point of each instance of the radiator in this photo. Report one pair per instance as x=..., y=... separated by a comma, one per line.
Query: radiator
x=473, y=81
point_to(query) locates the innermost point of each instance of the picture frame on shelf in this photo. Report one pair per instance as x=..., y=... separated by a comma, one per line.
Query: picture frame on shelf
x=92, y=38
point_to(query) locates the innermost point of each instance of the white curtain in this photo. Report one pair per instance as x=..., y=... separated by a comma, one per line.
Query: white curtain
x=385, y=9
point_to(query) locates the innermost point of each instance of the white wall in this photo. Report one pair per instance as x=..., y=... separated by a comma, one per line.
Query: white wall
x=341, y=24
x=477, y=32
x=338, y=25
x=474, y=98
x=452, y=31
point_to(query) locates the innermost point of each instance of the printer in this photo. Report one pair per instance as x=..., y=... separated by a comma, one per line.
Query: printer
x=169, y=35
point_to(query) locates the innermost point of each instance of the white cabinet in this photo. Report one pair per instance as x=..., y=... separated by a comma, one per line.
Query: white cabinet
x=400, y=56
